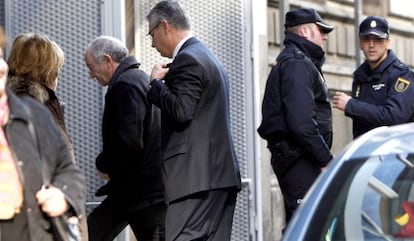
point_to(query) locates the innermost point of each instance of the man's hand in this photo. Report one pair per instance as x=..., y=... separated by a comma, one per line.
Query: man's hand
x=105, y=176
x=159, y=71
x=52, y=201
x=340, y=100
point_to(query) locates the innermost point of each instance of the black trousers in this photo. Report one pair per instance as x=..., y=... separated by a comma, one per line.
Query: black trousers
x=295, y=181
x=107, y=220
x=204, y=216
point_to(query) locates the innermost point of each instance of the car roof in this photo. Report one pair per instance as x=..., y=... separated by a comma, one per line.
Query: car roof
x=381, y=141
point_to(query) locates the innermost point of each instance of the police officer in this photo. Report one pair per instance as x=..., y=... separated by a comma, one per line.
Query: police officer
x=382, y=88
x=296, y=111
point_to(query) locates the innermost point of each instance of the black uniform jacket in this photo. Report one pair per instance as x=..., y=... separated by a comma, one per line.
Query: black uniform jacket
x=296, y=104
x=197, y=143
x=131, y=138
x=381, y=97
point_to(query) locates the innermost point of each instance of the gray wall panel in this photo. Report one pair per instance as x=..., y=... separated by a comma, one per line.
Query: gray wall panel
x=72, y=24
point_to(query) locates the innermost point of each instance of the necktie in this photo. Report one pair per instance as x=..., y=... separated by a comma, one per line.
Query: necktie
x=11, y=190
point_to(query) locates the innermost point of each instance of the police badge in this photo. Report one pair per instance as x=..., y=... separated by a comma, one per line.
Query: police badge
x=401, y=84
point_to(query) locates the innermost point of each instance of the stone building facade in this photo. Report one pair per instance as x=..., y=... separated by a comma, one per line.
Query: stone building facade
x=342, y=58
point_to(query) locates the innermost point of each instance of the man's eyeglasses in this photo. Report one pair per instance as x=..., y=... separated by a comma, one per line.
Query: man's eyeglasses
x=153, y=28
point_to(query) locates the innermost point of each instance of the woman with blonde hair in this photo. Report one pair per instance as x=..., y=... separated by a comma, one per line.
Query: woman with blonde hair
x=34, y=64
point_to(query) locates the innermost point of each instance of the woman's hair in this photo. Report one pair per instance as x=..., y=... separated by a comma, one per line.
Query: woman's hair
x=36, y=57
x=2, y=38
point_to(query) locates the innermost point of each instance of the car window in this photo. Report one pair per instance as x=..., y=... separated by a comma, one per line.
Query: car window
x=373, y=200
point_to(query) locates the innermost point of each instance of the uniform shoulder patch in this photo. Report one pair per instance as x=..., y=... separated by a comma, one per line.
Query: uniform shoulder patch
x=401, y=84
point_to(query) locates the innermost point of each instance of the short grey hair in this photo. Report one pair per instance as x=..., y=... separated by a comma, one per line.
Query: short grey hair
x=295, y=29
x=108, y=45
x=172, y=12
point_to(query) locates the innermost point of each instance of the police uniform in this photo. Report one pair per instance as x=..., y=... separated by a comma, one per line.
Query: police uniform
x=296, y=113
x=383, y=96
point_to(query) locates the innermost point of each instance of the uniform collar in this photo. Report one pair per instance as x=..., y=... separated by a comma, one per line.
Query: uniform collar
x=311, y=50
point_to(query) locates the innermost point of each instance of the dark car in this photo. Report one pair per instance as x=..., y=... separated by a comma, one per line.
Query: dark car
x=366, y=193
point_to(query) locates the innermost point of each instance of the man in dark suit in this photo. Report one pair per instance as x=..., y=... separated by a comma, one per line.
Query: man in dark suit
x=201, y=172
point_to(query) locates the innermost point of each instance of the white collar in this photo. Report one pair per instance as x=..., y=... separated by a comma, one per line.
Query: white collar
x=180, y=44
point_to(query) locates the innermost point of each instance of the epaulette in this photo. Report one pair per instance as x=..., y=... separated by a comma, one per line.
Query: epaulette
x=290, y=53
x=395, y=71
x=299, y=54
x=400, y=65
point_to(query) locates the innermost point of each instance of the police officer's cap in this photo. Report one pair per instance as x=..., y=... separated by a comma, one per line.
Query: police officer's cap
x=374, y=25
x=306, y=15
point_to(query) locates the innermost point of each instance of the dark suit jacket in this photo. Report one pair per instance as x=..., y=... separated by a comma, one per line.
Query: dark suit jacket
x=197, y=145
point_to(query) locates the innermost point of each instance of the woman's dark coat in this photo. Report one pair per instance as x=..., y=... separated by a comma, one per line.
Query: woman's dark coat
x=57, y=163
